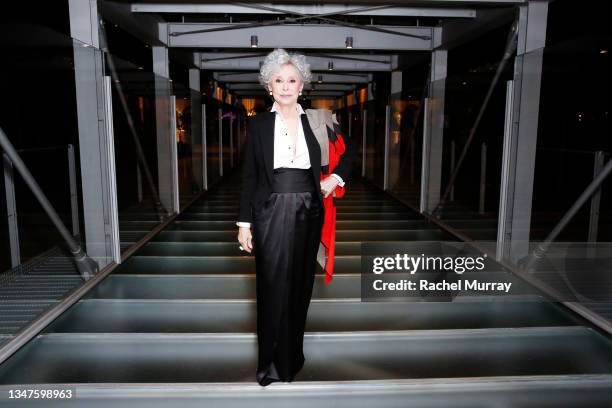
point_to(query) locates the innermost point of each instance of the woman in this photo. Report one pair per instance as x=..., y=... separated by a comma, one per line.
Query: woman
x=282, y=200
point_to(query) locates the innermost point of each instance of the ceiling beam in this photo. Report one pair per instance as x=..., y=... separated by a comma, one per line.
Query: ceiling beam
x=224, y=8
x=307, y=87
x=318, y=61
x=456, y=33
x=325, y=78
x=309, y=94
x=143, y=27
x=305, y=36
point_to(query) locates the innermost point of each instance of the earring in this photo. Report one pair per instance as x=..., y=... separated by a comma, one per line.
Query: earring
x=270, y=93
x=300, y=93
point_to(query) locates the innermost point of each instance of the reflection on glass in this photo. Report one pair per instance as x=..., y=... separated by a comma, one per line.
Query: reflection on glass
x=405, y=143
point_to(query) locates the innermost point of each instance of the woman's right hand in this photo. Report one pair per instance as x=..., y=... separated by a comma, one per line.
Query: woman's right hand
x=245, y=238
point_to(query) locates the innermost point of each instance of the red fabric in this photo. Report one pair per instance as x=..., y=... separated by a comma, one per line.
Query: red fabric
x=328, y=234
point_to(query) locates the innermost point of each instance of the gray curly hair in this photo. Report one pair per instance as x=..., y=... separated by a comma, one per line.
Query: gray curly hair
x=279, y=57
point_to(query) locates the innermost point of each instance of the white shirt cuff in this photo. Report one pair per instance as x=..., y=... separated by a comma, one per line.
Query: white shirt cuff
x=341, y=182
x=244, y=224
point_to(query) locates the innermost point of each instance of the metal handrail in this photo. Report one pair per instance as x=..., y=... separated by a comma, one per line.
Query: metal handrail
x=86, y=266
x=41, y=149
x=563, y=150
x=540, y=250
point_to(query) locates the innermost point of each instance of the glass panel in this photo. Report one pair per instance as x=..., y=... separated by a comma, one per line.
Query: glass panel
x=5, y=248
x=225, y=123
x=38, y=113
x=573, y=125
x=405, y=151
x=188, y=186
x=212, y=141
x=137, y=182
x=472, y=203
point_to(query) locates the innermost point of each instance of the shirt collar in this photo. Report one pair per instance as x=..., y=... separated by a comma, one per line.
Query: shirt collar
x=299, y=108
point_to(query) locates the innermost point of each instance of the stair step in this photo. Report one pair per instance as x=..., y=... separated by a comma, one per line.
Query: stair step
x=172, y=358
x=239, y=316
x=231, y=248
x=340, y=225
x=243, y=286
x=508, y=391
x=355, y=235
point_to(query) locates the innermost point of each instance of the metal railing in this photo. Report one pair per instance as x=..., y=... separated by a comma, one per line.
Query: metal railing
x=86, y=266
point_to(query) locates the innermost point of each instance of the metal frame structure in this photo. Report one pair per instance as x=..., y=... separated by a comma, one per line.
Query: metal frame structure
x=242, y=8
x=93, y=126
x=11, y=211
x=113, y=213
x=521, y=140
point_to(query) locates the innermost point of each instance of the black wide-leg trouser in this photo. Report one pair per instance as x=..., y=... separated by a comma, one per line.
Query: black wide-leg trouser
x=286, y=236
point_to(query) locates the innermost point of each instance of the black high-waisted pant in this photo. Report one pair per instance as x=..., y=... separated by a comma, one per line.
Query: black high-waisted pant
x=286, y=236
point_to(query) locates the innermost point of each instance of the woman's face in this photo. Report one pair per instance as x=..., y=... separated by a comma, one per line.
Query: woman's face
x=286, y=85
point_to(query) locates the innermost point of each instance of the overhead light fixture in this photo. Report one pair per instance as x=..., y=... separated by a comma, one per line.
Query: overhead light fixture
x=604, y=51
x=330, y=65
x=320, y=79
x=85, y=45
x=253, y=41
x=349, y=42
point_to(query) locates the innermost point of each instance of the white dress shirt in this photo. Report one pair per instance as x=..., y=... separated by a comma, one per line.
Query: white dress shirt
x=285, y=154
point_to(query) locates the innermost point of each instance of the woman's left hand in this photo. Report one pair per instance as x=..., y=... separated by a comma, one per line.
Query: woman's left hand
x=328, y=186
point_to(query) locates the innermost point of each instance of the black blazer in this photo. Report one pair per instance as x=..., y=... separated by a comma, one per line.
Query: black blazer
x=258, y=166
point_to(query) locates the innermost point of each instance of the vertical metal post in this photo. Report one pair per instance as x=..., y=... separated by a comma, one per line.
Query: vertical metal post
x=350, y=126
x=91, y=118
x=483, y=178
x=111, y=173
x=204, y=151
x=425, y=159
x=174, y=157
x=239, y=136
x=434, y=131
x=412, y=160
x=231, y=140
x=220, y=142
x=196, y=125
x=595, y=200
x=527, y=83
x=74, y=199
x=164, y=117
x=364, y=141
x=139, y=182
x=505, y=182
x=452, y=169
x=387, y=142
x=11, y=211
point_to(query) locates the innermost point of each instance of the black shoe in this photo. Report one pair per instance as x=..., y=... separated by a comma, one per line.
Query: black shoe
x=266, y=381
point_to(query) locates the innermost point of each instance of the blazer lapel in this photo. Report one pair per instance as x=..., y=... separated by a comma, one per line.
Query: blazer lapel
x=268, y=143
x=314, y=150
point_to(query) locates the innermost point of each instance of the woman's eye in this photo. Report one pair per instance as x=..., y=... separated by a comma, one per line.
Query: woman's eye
x=293, y=80
x=278, y=80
